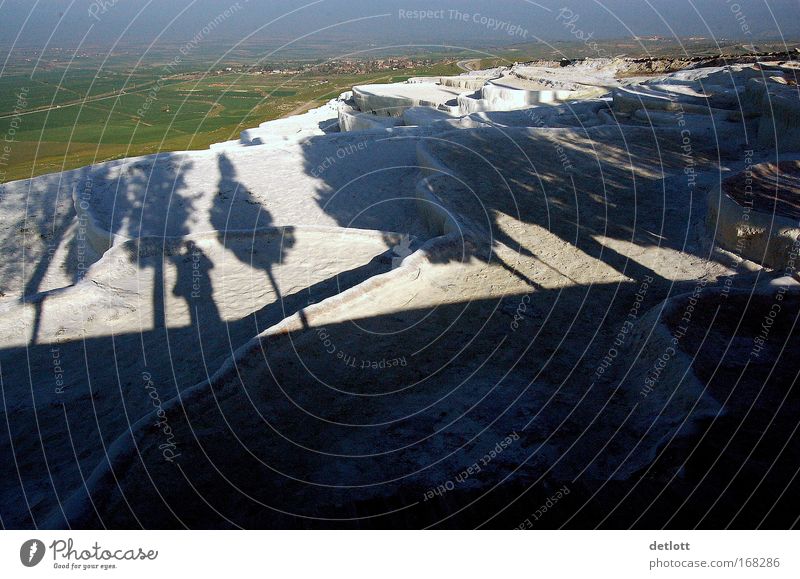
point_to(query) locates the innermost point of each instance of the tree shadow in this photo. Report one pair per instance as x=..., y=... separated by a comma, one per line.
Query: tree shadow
x=32, y=245
x=596, y=189
x=234, y=202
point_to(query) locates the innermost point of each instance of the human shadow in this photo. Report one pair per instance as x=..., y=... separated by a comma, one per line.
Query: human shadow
x=145, y=200
x=121, y=377
x=194, y=285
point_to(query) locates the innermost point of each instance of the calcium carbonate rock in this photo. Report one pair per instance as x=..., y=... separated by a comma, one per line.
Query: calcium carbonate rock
x=756, y=214
x=393, y=99
x=333, y=315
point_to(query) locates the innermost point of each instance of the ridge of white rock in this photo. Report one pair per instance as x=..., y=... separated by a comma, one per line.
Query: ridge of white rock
x=289, y=130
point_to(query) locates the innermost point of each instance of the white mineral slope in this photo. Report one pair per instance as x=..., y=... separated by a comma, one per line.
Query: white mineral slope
x=524, y=86
x=352, y=119
x=187, y=256
x=317, y=121
x=351, y=401
x=463, y=81
x=317, y=332
x=506, y=89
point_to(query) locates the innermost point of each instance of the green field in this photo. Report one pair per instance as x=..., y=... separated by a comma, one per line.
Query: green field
x=83, y=112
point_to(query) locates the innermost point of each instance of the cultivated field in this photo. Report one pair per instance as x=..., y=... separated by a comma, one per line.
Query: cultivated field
x=64, y=115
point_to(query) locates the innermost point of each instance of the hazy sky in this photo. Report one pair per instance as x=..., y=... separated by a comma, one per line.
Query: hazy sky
x=488, y=22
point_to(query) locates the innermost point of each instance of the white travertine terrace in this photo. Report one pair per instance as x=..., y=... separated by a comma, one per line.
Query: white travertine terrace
x=756, y=213
x=393, y=99
x=258, y=282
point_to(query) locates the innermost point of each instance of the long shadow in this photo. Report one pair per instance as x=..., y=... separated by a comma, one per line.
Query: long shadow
x=144, y=198
x=41, y=391
x=48, y=218
x=153, y=199
x=363, y=444
x=99, y=386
